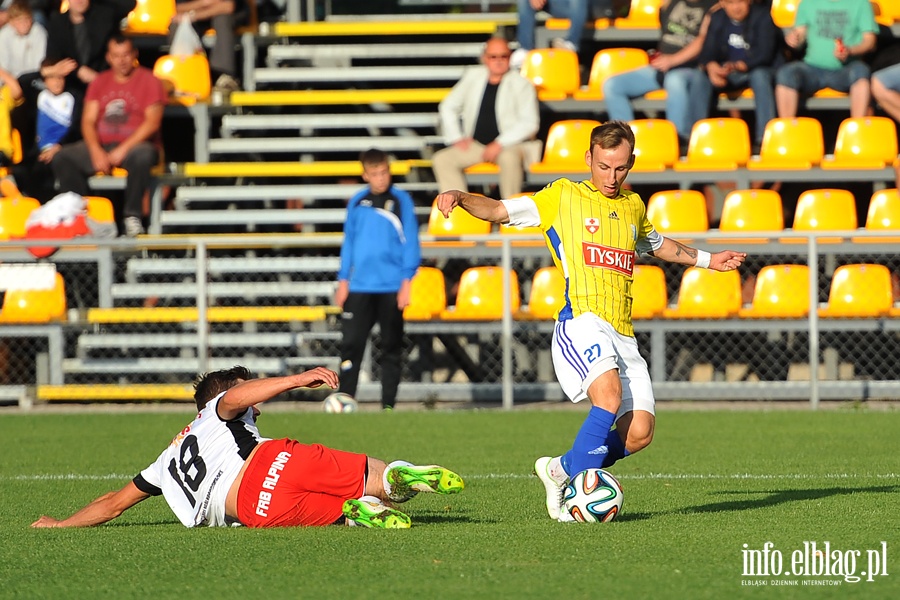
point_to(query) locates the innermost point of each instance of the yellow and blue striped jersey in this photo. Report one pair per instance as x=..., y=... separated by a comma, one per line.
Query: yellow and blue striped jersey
x=593, y=240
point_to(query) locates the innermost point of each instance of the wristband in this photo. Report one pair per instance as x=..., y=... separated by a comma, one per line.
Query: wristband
x=703, y=259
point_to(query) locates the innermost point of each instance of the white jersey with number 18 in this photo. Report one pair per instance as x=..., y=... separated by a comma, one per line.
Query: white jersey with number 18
x=196, y=471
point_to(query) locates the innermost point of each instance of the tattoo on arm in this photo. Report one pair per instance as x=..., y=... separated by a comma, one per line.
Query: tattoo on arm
x=681, y=248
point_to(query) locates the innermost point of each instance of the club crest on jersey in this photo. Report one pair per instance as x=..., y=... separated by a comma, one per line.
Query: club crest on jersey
x=615, y=259
x=592, y=224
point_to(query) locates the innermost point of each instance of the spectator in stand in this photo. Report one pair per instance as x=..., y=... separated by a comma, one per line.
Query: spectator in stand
x=120, y=124
x=379, y=257
x=10, y=97
x=56, y=110
x=673, y=67
x=80, y=34
x=742, y=49
x=835, y=34
x=886, y=90
x=491, y=115
x=23, y=43
x=576, y=11
x=38, y=8
x=222, y=16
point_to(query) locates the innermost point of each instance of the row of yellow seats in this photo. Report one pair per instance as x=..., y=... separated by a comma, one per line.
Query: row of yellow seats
x=26, y=305
x=782, y=291
x=14, y=212
x=723, y=143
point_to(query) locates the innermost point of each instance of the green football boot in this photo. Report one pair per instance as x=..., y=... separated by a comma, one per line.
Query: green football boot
x=374, y=514
x=407, y=480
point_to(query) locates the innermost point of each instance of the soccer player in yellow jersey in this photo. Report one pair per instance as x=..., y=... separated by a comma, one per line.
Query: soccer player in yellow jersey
x=593, y=229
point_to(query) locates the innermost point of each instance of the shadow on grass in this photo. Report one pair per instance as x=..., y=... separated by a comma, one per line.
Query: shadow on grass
x=438, y=518
x=630, y=516
x=775, y=497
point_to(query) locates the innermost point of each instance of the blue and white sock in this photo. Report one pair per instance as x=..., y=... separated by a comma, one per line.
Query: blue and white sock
x=589, y=449
x=616, y=448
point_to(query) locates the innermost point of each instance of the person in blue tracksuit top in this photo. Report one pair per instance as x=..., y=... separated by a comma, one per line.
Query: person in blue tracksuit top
x=379, y=256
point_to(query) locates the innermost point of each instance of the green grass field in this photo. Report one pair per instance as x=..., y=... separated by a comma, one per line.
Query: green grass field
x=710, y=483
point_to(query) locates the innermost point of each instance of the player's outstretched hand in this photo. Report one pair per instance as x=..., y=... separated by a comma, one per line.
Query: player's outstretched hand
x=44, y=522
x=447, y=201
x=318, y=377
x=726, y=260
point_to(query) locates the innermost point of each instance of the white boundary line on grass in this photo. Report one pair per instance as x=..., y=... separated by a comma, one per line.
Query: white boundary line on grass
x=632, y=476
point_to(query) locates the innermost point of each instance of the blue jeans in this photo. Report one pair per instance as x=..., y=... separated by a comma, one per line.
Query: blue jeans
x=760, y=80
x=574, y=10
x=682, y=107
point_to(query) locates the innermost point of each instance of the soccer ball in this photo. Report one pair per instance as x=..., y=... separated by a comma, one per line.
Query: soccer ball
x=593, y=496
x=339, y=402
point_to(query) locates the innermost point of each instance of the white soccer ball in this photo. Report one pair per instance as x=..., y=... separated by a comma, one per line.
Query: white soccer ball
x=339, y=402
x=593, y=496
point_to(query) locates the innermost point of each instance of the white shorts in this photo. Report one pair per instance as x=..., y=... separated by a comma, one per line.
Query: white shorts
x=586, y=347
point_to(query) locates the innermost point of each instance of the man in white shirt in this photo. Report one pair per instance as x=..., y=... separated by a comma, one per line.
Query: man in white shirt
x=220, y=471
x=491, y=115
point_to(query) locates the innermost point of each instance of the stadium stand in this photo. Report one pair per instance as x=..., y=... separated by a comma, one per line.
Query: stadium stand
x=781, y=292
x=678, y=211
x=547, y=296
x=480, y=296
x=648, y=292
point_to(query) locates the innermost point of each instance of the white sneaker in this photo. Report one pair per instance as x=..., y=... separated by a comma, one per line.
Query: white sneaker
x=133, y=226
x=517, y=59
x=551, y=474
x=561, y=44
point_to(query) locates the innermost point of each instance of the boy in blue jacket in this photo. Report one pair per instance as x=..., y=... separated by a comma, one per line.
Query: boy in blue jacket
x=379, y=256
x=742, y=49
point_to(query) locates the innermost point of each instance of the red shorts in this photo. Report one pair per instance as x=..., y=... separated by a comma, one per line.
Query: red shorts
x=288, y=483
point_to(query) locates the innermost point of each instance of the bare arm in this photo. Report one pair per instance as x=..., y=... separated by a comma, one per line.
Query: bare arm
x=105, y=508
x=678, y=253
x=252, y=392
x=486, y=209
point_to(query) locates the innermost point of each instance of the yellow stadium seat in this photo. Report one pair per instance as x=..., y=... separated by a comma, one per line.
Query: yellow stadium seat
x=607, y=63
x=643, y=14
x=784, y=12
x=553, y=71
x=35, y=305
x=188, y=75
x=717, y=144
x=864, y=143
x=483, y=168
x=656, y=144
x=883, y=215
x=427, y=296
x=887, y=12
x=567, y=142
x=459, y=223
x=795, y=143
x=707, y=294
x=678, y=211
x=782, y=292
x=648, y=292
x=151, y=17
x=859, y=291
x=824, y=210
x=13, y=214
x=100, y=209
x=751, y=210
x=548, y=295
x=480, y=295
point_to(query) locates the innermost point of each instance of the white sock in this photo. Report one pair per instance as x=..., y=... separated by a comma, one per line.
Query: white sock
x=556, y=470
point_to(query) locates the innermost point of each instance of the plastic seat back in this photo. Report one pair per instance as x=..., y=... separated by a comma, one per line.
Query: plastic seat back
x=29, y=305
x=548, y=294
x=784, y=12
x=100, y=209
x=656, y=144
x=609, y=62
x=824, y=210
x=553, y=71
x=883, y=215
x=781, y=292
x=707, y=294
x=480, y=295
x=648, y=292
x=717, y=144
x=13, y=214
x=864, y=143
x=188, y=75
x=567, y=141
x=643, y=14
x=150, y=17
x=795, y=143
x=859, y=291
x=458, y=223
x=752, y=210
x=427, y=295
x=678, y=211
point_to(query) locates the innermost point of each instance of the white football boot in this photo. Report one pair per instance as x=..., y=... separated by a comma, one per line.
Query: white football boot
x=550, y=472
